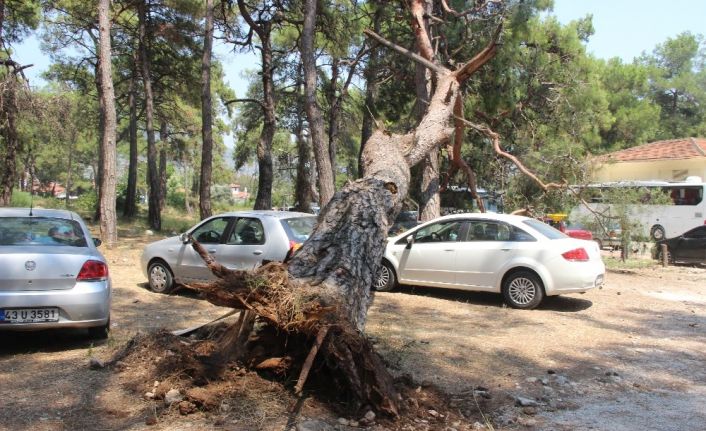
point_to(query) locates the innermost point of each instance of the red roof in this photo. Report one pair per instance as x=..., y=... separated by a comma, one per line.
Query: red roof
x=673, y=149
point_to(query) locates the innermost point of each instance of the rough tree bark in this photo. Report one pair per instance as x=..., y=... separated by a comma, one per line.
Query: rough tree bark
x=108, y=218
x=313, y=112
x=154, y=214
x=206, y=118
x=130, y=209
x=163, y=154
x=263, y=200
x=302, y=189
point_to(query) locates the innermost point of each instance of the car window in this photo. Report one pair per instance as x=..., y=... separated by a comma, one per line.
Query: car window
x=439, y=232
x=699, y=232
x=544, y=229
x=211, y=232
x=44, y=231
x=298, y=229
x=247, y=231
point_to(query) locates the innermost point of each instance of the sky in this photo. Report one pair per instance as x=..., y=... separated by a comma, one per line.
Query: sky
x=623, y=28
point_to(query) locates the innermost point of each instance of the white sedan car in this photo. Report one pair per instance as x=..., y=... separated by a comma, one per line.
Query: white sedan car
x=520, y=257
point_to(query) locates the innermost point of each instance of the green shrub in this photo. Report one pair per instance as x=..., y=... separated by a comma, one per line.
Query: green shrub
x=86, y=203
x=21, y=199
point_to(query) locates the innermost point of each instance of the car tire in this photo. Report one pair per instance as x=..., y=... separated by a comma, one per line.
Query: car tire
x=670, y=258
x=160, y=277
x=657, y=232
x=523, y=289
x=385, y=279
x=99, y=332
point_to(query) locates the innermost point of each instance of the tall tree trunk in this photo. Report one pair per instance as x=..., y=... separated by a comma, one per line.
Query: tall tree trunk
x=428, y=183
x=334, y=103
x=101, y=131
x=69, y=168
x=206, y=118
x=107, y=204
x=302, y=189
x=263, y=28
x=130, y=209
x=263, y=200
x=164, y=145
x=372, y=86
x=313, y=112
x=154, y=214
x=9, y=133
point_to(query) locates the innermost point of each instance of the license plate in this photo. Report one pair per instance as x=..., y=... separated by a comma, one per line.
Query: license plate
x=29, y=315
x=599, y=281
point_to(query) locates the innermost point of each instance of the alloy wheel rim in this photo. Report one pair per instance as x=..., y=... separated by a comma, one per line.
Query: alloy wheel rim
x=522, y=290
x=382, y=278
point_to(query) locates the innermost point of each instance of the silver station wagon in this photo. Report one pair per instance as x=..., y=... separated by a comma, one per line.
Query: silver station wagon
x=238, y=240
x=51, y=273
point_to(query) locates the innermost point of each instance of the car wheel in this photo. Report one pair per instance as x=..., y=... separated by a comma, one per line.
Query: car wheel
x=523, y=289
x=99, y=332
x=670, y=258
x=385, y=279
x=160, y=277
x=657, y=232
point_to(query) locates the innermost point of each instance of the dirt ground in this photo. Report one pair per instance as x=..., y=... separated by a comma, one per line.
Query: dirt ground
x=629, y=356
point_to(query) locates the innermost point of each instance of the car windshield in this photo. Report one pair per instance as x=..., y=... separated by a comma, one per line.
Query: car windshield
x=44, y=231
x=299, y=228
x=544, y=229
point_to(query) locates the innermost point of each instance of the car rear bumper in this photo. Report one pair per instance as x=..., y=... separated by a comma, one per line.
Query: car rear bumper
x=582, y=278
x=84, y=306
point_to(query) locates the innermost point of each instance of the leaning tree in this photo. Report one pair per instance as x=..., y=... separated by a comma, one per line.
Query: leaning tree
x=320, y=298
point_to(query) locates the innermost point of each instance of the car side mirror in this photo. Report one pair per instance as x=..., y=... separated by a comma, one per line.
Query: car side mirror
x=185, y=238
x=410, y=241
x=97, y=242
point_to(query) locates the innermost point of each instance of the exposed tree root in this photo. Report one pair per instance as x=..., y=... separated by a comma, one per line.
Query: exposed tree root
x=298, y=312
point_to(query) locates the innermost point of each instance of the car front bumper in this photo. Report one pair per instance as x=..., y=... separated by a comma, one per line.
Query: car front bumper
x=86, y=305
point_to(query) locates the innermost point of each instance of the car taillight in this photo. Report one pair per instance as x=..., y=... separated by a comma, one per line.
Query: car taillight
x=93, y=270
x=576, y=255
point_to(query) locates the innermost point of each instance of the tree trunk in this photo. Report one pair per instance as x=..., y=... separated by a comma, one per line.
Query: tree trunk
x=164, y=145
x=69, y=168
x=263, y=28
x=313, y=112
x=9, y=133
x=263, y=200
x=154, y=213
x=130, y=209
x=206, y=118
x=323, y=293
x=101, y=131
x=334, y=103
x=107, y=203
x=429, y=199
x=372, y=86
x=303, y=186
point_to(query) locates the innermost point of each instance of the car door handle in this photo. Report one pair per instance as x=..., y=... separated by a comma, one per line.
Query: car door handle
x=212, y=251
x=505, y=249
x=449, y=249
x=257, y=252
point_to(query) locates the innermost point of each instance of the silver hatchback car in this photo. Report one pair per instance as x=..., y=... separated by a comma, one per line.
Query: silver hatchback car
x=53, y=276
x=238, y=240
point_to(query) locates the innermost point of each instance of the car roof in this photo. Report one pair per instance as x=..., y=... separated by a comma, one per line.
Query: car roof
x=485, y=216
x=39, y=212
x=265, y=213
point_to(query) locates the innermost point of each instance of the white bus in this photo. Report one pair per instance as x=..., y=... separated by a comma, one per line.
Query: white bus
x=687, y=208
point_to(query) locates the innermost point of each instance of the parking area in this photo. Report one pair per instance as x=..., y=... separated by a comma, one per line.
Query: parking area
x=629, y=355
